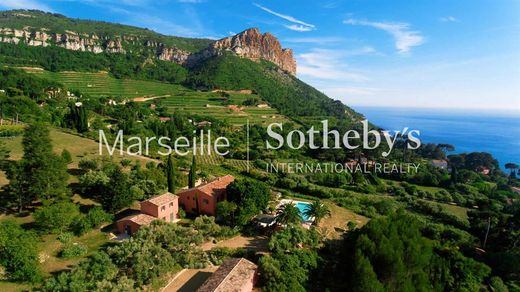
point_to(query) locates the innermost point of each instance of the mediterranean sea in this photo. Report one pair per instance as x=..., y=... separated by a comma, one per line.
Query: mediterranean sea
x=495, y=132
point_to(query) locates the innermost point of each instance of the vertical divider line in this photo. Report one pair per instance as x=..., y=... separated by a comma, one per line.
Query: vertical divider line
x=247, y=141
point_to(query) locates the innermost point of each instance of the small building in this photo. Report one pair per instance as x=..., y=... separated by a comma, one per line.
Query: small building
x=164, y=119
x=204, y=198
x=265, y=220
x=164, y=207
x=234, y=275
x=440, y=163
x=483, y=170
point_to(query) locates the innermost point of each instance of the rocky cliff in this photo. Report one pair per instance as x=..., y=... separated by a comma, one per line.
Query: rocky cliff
x=253, y=45
x=249, y=44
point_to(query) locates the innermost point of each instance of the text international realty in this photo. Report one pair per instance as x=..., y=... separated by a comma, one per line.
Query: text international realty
x=375, y=167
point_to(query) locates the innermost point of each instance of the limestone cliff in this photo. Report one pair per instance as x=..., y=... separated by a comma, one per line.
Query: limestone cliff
x=253, y=45
x=249, y=44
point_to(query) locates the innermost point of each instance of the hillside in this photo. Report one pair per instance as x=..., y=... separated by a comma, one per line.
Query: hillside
x=248, y=60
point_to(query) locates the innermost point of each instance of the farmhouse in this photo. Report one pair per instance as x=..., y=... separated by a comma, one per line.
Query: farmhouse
x=204, y=198
x=164, y=207
x=440, y=163
x=234, y=275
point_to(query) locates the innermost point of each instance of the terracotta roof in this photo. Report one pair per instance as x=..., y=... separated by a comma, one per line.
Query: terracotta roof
x=231, y=276
x=162, y=199
x=214, y=187
x=140, y=219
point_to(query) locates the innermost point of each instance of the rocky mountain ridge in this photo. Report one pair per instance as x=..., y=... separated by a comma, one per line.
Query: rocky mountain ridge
x=250, y=44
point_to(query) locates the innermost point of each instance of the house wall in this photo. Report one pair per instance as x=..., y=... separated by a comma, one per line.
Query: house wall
x=163, y=212
x=134, y=227
x=206, y=204
x=248, y=287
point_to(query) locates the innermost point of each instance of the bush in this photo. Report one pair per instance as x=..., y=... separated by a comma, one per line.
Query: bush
x=66, y=156
x=57, y=217
x=93, y=219
x=73, y=250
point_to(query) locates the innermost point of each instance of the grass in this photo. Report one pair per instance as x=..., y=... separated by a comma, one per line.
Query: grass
x=458, y=211
x=333, y=227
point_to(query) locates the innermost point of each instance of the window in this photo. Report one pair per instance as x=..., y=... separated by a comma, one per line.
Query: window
x=205, y=201
x=163, y=208
x=171, y=204
x=164, y=218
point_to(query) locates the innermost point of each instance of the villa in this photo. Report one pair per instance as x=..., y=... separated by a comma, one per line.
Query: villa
x=440, y=163
x=163, y=207
x=204, y=198
x=234, y=275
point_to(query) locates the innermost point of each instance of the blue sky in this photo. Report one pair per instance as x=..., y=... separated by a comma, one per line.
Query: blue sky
x=456, y=54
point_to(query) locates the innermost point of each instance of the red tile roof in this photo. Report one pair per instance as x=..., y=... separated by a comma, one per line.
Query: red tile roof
x=231, y=276
x=162, y=199
x=140, y=219
x=215, y=187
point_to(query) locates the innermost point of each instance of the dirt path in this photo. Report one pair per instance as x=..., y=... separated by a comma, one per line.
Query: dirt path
x=256, y=243
x=143, y=99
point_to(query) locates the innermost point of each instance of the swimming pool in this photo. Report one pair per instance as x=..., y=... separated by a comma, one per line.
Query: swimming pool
x=303, y=206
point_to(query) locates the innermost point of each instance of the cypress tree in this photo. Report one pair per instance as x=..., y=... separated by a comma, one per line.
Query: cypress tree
x=192, y=176
x=170, y=174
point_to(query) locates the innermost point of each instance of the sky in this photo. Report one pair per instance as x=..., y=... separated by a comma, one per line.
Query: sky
x=400, y=53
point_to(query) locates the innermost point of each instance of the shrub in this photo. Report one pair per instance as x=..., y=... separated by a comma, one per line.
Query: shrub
x=73, y=250
x=56, y=217
x=65, y=155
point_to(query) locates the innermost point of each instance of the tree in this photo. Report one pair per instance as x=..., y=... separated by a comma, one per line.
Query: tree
x=251, y=198
x=288, y=214
x=512, y=168
x=117, y=194
x=446, y=147
x=456, y=161
x=57, y=217
x=66, y=156
x=226, y=212
x=192, y=176
x=78, y=117
x=318, y=211
x=40, y=174
x=170, y=174
x=19, y=252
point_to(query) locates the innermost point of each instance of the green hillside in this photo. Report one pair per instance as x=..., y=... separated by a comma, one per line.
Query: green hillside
x=176, y=98
x=285, y=92
x=59, y=23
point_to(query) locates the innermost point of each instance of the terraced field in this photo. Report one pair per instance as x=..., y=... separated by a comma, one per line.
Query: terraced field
x=212, y=104
x=177, y=97
x=102, y=84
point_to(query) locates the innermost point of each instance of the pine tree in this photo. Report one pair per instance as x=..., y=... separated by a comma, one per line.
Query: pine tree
x=40, y=174
x=170, y=173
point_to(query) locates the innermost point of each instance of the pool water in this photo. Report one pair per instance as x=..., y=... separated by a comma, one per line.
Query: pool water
x=303, y=206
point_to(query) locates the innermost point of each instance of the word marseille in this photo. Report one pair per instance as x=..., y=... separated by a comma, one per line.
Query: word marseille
x=295, y=139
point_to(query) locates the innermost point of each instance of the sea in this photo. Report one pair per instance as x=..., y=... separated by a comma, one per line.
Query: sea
x=492, y=131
